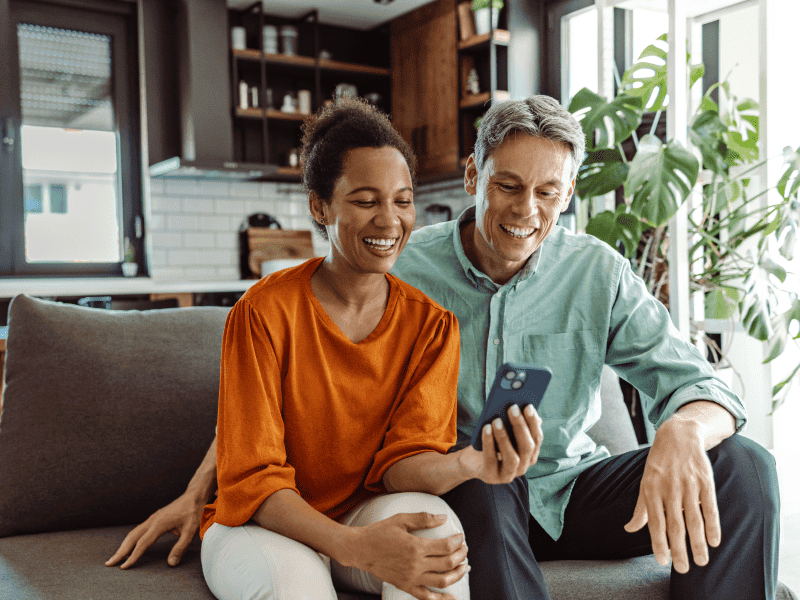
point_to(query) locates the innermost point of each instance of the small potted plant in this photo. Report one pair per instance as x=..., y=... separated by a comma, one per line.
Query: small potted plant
x=481, y=8
x=129, y=265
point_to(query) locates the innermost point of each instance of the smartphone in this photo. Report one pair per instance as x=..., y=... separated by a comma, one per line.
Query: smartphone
x=518, y=383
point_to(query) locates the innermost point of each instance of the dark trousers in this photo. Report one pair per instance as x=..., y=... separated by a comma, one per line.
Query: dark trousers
x=506, y=544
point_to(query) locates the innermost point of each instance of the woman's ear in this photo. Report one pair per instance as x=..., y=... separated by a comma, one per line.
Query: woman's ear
x=316, y=207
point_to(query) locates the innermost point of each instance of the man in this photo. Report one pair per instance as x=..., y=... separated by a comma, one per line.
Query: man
x=526, y=290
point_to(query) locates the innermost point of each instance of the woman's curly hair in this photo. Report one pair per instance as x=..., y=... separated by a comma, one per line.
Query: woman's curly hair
x=332, y=132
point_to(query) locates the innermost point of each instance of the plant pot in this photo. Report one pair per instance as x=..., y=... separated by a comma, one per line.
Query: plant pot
x=482, y=20
x=129, y=269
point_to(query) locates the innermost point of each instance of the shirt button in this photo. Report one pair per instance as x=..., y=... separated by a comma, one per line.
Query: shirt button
x=496, y=342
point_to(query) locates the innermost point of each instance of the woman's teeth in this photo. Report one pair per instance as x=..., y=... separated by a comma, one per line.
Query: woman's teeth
x=382, y=243
x=517, y=232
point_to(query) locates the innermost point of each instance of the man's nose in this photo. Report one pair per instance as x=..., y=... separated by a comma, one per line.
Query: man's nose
x=527, y=205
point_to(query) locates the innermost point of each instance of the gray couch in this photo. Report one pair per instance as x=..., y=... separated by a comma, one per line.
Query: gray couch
x=106, y=415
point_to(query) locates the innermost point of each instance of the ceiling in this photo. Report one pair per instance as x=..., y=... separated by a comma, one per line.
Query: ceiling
x=359, y=14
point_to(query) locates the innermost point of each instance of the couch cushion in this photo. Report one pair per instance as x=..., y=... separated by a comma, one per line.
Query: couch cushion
x=106, y=415
x=614, y=430
x=69, y=566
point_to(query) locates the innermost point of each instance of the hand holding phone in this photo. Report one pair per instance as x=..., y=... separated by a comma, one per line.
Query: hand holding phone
x=520, y=384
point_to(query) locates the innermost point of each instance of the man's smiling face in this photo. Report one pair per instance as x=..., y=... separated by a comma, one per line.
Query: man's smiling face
x=523, y=187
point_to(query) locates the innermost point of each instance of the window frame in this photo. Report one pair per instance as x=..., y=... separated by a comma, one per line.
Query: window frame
x=118, y=19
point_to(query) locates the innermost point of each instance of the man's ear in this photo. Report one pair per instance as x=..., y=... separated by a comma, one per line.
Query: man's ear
x=471, y=176
x=568, y=196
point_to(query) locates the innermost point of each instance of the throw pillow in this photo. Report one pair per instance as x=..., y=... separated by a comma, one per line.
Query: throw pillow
x=106, y=414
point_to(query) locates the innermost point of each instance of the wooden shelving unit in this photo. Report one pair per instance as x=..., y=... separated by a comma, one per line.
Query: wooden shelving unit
x=486, y=57
x=266, y=134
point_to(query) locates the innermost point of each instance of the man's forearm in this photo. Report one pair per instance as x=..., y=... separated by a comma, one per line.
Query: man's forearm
x=204, y=481
x=428, y=472
x=715, y=423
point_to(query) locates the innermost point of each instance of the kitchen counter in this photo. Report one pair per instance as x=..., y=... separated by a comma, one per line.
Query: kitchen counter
x=110, y=286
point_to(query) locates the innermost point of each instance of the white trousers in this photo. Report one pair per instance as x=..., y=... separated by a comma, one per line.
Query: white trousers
x=253, y=563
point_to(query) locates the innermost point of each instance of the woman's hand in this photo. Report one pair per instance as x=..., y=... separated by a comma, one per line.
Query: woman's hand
x=507, y=464
x=413, y=564
x=180, y=517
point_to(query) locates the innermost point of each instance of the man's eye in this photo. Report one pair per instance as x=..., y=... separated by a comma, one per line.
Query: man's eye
x=507, y=188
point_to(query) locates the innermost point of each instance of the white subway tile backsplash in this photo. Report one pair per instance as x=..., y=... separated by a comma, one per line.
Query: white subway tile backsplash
x=214, y=188
x=181, y=187
x=159, y=258
x=156, y=186
x=200, y=273
x=198, y=240
x=242, y=189
x=229, y=206
x=157, y=221
x=166, y=239
x=168, y=273
x=226, y=240
x=178, y=258
x=225, y=258
x=165, y=204
x=215, y=223
x=197, y=205
x=227, y=273
x=182, y=222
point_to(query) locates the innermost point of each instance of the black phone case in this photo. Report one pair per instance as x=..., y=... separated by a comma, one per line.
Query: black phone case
x=505, y=392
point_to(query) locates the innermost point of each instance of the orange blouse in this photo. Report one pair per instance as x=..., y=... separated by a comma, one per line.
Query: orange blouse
x=302, y=407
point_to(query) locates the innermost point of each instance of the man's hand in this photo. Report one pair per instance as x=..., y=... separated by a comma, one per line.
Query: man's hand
x=410, y=563
x=677, y=496
x=180, y=517
x=507, y=464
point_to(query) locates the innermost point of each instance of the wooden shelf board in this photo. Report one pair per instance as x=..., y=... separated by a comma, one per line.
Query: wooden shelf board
x=289, y=171
x=309, y=63
x=279, y=114
x=480, y=99
x=258, y=113
x=501, y=36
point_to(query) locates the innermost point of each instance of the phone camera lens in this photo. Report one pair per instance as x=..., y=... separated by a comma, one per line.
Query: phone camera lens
x=521, y=375
x=516, y=384
x=511, y=375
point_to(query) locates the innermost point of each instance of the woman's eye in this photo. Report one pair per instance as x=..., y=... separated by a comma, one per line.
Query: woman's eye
x=404, y=202
x=364, y=202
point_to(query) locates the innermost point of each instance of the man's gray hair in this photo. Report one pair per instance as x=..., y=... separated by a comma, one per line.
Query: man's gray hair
x=541, y=116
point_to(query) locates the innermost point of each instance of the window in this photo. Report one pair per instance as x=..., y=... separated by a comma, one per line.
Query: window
x=70, y=166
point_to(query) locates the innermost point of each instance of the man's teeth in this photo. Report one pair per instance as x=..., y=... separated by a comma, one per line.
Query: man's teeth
x=380, y=242
x=517, y=231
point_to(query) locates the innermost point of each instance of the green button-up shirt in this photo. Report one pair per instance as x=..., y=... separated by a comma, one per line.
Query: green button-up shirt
x=575, y=306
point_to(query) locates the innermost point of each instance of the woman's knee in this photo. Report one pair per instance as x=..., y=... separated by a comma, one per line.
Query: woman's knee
x=389, y=505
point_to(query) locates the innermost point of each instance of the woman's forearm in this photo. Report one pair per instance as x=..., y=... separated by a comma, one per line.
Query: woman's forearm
x=204, y=481
x=286, y=513
x=428, y=472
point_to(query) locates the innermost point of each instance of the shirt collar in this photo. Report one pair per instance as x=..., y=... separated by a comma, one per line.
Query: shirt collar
x=474, y=274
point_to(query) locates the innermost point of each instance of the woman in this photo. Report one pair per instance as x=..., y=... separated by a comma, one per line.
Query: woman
x=333, y=375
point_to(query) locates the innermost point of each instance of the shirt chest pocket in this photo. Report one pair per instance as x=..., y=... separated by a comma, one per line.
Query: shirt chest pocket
x=575, y=360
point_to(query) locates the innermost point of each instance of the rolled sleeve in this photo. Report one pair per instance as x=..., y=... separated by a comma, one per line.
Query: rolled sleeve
x=425, y=420
x=647, y=350
x=251, y=453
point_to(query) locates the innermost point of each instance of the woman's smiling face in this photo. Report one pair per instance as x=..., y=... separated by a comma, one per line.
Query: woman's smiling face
x=523, y=187
x=371, y=211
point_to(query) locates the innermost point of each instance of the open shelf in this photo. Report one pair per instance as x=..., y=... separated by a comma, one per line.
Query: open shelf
x=260, y=113
x=480, y=99
x=309, y=63
x=501, y=38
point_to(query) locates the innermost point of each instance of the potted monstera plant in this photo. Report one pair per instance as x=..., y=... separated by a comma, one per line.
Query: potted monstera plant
x=742, y=234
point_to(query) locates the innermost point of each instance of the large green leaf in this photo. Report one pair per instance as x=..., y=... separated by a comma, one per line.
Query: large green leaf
x=660, y=179
x=602, y=172
x=789, y=182
x=618, y=227
x=647, y=79
x=742, y=137
x=606, y=124
x=707, y=134
x=781, y=324
x=721, y=302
